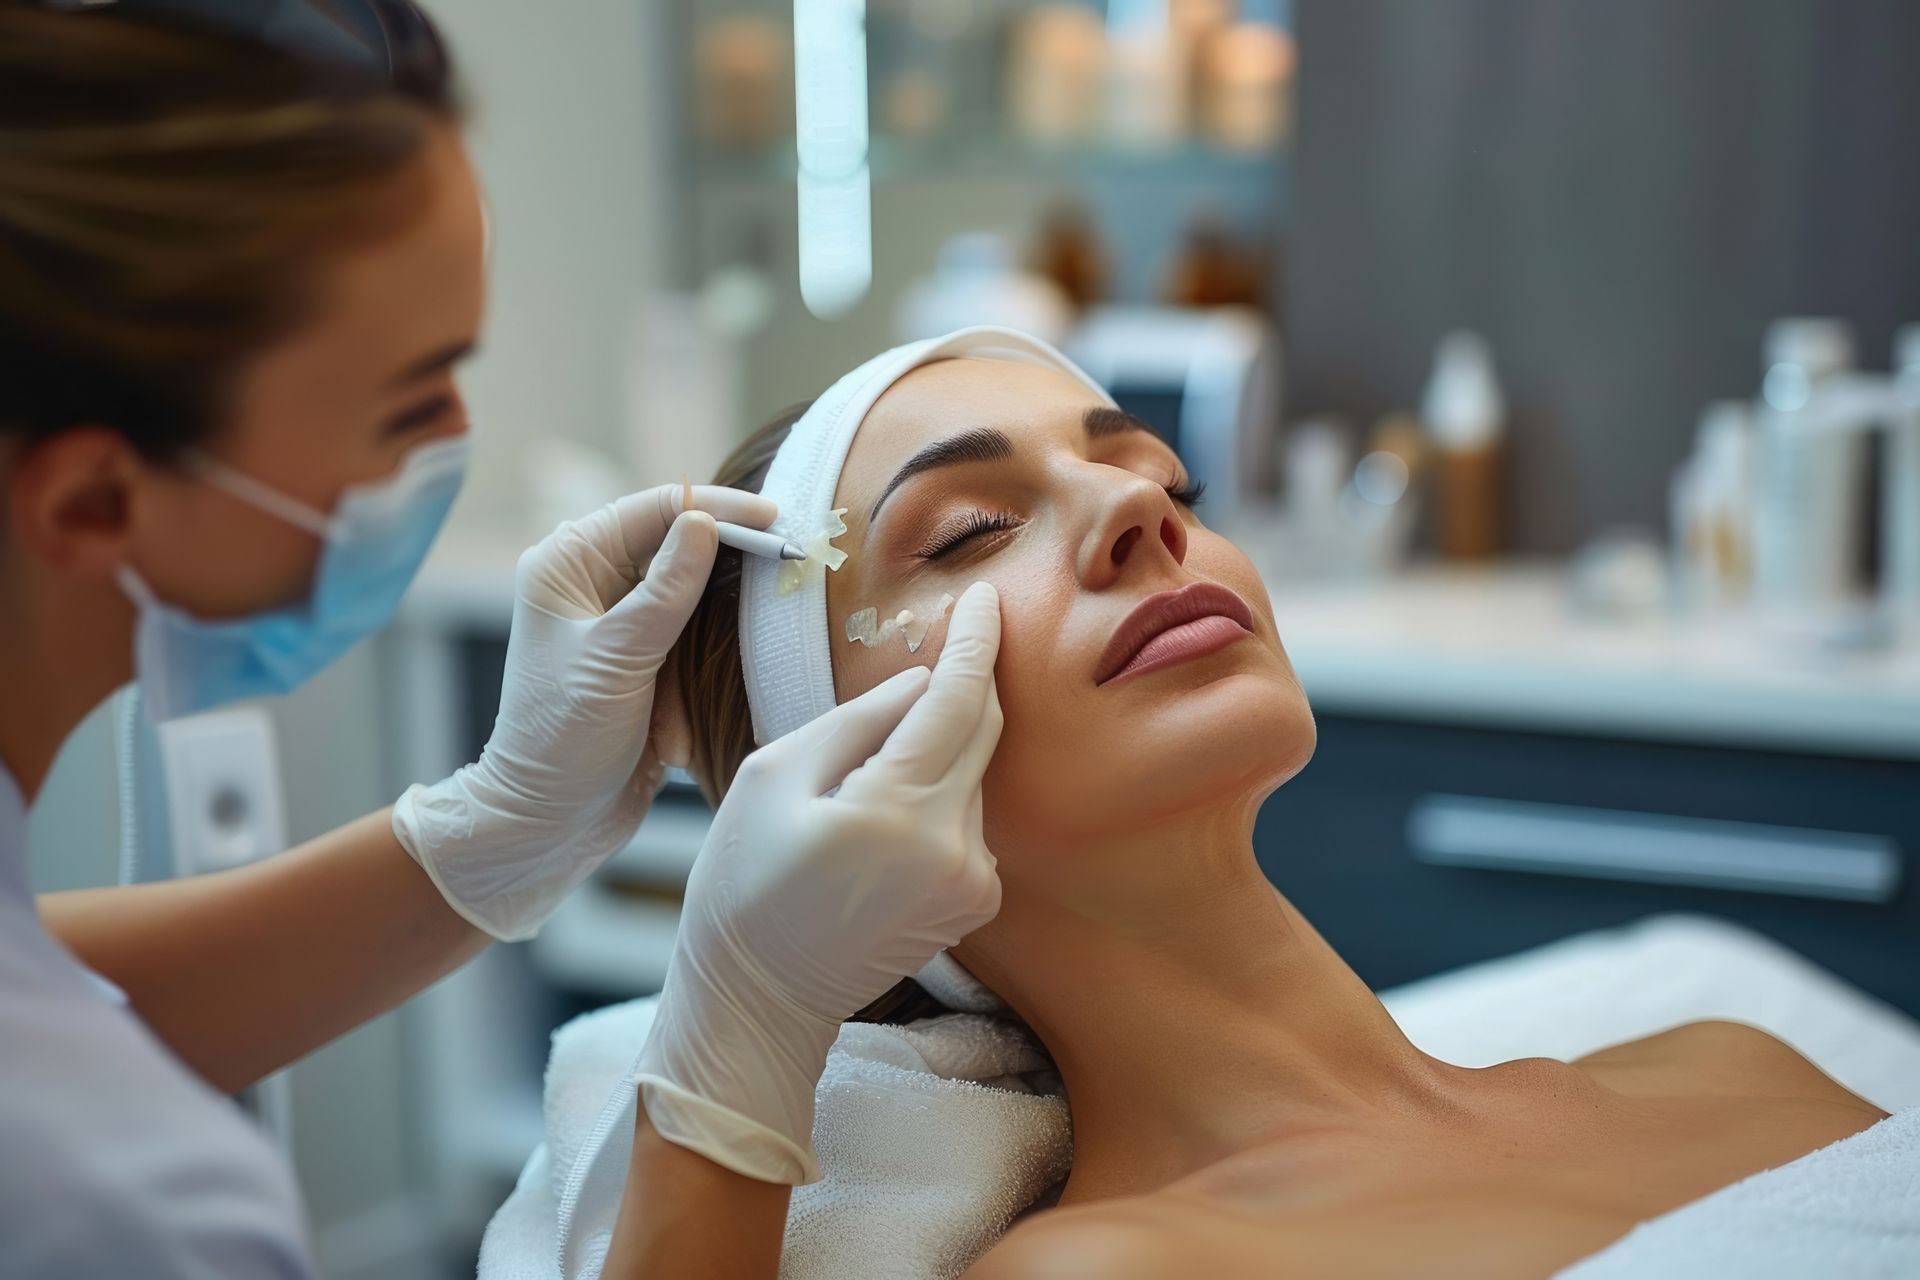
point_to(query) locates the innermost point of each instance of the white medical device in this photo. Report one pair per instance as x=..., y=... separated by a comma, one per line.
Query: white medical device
x=1208, y=381
x=217, y=778
x=1837, y=504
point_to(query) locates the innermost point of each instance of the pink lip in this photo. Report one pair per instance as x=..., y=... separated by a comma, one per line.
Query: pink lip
x=1174, y=626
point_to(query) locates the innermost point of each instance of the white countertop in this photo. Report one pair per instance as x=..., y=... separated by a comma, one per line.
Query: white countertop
x=1500, y=647
x=1496, y=647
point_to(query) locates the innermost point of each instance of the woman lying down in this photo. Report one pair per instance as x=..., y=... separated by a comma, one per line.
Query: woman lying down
x=1241, y=1103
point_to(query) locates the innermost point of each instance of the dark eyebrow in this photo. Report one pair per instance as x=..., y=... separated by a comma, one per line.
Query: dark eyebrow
x=441, y=359
x=981, y=444
x=1105, y=420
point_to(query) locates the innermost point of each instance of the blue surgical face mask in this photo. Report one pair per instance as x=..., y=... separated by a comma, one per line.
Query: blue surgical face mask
x=372, y=546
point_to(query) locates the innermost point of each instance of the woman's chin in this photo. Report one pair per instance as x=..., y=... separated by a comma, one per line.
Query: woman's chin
x=1208, y=734
x=1238, y=733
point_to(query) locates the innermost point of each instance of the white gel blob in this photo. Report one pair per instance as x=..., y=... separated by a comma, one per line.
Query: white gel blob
x=821, y=555
x=916, y=631
x=865, y=627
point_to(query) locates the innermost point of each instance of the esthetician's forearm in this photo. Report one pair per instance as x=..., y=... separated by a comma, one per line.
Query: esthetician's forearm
x=242, y=972
x=682, y=1215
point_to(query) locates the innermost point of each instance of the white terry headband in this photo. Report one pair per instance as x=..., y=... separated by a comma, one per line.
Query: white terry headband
x=784, y=648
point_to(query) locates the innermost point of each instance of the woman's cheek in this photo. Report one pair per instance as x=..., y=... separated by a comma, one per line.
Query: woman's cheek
x=1032, y=685
x=858, y=668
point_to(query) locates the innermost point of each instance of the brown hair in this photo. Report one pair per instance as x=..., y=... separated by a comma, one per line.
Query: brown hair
x=706, y=661
x=713, y=685
x=167, y=195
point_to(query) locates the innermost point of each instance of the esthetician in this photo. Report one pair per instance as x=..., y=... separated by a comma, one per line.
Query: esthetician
x=241, y=257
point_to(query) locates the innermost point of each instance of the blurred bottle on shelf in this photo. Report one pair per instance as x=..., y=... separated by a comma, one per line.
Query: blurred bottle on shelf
x=1191, y=27
x=1316, y=470
x=1400, y=435
x=1214, y=269
x=913, y=104
x=1055, y=74
x=1712, y=512
x=1465, y=416
x=975, y=281
x=1806, y=553
x=742, y=73
x=1244, y=84
x=1068, y=252
x=929, y=60
x=1832, y=517
x=1146, y=80
x=1341, y=517
x=1193, y=21
x=1378, y=506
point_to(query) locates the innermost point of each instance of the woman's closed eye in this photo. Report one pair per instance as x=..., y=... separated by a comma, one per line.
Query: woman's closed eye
x=1187, y=495
x=967, y=527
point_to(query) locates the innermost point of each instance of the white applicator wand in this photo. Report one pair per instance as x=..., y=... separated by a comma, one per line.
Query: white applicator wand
x=758, y=542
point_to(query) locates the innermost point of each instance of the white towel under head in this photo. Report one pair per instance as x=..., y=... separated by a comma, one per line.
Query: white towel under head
x=932, y=1138
x=950, y=984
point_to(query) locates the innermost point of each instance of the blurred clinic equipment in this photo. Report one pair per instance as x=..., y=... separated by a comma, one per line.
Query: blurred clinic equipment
x=974, y=281
x=1835, y=489
x=1801, y=505
x=1207, y=380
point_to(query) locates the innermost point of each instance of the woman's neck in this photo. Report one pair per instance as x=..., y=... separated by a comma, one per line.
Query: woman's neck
x=62, y=650
x=1219, y=1020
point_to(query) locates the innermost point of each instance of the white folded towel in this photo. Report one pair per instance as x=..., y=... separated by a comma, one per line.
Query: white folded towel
x=1850, y=1211
x=932, y=1138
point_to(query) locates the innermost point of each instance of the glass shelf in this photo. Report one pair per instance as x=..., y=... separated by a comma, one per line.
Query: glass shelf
x=906, y=160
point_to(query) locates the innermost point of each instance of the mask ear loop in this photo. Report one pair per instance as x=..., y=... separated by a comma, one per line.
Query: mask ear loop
x=266, y=498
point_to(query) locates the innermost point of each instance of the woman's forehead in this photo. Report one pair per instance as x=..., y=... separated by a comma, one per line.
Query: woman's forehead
x=950, y=396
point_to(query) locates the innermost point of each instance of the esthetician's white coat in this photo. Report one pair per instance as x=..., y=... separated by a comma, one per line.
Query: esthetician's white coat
x=111, y=1150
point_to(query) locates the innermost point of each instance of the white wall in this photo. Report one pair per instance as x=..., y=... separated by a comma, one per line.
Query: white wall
x=571, y=132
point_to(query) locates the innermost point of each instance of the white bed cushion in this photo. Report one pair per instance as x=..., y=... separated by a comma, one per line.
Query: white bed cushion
x=1583, y=993
x=1561, y=1000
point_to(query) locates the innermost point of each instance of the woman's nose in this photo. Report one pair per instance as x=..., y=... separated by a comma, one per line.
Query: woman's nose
x=1137, y=524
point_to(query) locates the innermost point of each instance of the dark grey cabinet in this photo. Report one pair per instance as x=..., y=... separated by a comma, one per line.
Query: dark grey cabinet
x=1344, y=842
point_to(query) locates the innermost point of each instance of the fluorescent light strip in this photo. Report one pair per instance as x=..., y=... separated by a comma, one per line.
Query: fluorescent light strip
x=834, y=187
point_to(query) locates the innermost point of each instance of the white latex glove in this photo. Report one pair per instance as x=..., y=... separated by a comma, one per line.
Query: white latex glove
x=569, y=772
x=803, y=906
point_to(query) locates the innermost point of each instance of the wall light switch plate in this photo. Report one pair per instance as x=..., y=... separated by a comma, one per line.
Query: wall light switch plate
x=224, y=804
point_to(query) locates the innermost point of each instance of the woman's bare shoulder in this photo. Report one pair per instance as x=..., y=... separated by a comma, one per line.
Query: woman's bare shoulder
x=1719, y=1057
x=1137, y=1238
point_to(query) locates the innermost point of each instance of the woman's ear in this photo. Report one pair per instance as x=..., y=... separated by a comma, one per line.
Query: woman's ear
x=71, y=498
x=671, y=730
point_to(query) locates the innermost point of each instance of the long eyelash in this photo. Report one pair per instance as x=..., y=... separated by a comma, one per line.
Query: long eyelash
x=1189, y=496
x=970, y=526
